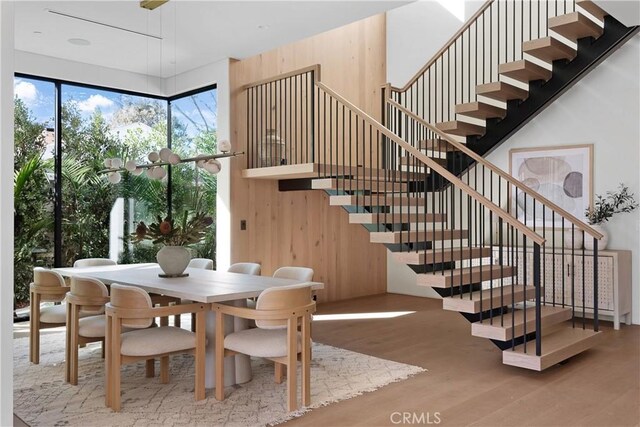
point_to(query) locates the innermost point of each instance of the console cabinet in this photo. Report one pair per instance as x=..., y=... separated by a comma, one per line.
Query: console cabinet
x=563, y=275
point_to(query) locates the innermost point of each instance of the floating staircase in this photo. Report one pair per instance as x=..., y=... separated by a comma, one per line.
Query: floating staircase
x=435, y=202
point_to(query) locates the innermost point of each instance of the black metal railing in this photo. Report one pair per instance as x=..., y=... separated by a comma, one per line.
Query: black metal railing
x=278, y=129
x=536, y=264
x=463, y=234
x=492, y=36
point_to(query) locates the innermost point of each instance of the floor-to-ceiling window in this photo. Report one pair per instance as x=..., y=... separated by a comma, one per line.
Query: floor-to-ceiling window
x=193, y=132
x=66, y=209
x=34, y=155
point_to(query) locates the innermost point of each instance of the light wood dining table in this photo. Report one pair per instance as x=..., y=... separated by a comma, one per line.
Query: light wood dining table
x=206, y=286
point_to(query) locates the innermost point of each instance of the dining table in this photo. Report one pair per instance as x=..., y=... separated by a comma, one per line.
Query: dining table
x=199, y=285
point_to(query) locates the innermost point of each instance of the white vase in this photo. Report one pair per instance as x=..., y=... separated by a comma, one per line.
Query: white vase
x=173, y=260
x=602, y=243
x=573, y=238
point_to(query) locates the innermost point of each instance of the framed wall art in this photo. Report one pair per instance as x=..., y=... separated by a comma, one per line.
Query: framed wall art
x=564, y=175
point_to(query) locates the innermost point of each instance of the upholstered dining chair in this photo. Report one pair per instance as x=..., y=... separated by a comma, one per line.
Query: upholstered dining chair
x=283, y=319
x=204, y=263
x=303, y=274
x=251, y=268
x=93, y=262
x=87, y=296
x=132, y=307
x=47, y=286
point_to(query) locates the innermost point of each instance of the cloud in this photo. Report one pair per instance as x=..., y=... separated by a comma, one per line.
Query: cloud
x=26, y=91
x=93, y=102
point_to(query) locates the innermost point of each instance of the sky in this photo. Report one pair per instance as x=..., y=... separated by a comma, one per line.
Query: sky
x=39, y=97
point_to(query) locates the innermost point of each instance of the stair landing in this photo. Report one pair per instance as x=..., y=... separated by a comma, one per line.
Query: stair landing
x=556, y=347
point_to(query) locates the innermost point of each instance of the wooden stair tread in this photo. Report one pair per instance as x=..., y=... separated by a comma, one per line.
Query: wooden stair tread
x=465, y=276
x=480, y=110
x=395, y=237
x=592, y=8
x=368, y=184
x=549, y=49
x=575, y=26
x=524, y=71
x=556, y=347
x=394, y=218
x=512, y=325
x=459, y=128
x=501, y=91
x=381, y=200
x=436, y=145
x=439, y=255
x=488, y=300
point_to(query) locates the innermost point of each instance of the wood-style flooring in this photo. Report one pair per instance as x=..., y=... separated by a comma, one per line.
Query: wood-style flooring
x=466, y=382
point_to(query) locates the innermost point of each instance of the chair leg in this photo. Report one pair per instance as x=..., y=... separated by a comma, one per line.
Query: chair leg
x=279, y=372
x=193, y=322
x=73, y=356
x=34, y=328
x=67, y=348
x=150, y=368
x=116, y=360
x=292, y=356
x=306, y=361
x=201, y=342
x=219, y=356
x=102, y=343
x=107, y=363
x=164, y=369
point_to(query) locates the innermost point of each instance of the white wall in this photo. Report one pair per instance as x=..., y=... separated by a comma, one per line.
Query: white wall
x=6, y=212
x=415, y=32
x=602, y=109
x=47, y=66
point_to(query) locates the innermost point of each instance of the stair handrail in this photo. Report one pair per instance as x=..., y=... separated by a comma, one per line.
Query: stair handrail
x=513, y=181
x=315, y=68
x=508, y=218
x=444, y=48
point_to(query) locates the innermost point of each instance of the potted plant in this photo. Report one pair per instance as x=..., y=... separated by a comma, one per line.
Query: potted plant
x=174, y=257
x=604, y=208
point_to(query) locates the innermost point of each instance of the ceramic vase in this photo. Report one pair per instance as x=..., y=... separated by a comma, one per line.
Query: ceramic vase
x=602, y=243
x=573, y=239
x=173, y=260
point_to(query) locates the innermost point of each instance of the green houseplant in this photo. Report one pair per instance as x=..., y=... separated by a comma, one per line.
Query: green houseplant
x=174, y=257
x=621, y=201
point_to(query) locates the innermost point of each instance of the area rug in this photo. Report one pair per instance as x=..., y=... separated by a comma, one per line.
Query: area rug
x=42, y=398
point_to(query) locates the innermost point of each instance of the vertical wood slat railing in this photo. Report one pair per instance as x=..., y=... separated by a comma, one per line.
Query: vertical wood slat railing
x=492, y=36
x=415, y=204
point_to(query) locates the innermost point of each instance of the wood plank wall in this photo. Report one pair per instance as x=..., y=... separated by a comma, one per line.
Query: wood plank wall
x=300, y=228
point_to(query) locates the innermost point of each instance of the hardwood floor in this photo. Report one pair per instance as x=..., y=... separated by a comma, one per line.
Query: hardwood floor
x=466, y=382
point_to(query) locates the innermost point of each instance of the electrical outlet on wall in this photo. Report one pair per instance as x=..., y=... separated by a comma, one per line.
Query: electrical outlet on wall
x=243, y=224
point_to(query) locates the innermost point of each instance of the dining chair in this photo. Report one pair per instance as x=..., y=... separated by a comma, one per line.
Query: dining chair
x=47, y=286
x=132, y=307
x=251, y=268
x=93, y=262
x=204, y=263
x=283, y=319
x=303, y=274
x=87, y=296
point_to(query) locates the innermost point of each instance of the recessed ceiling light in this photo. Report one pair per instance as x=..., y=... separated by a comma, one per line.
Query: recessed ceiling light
x=263, y=27
x=79, y=42
x=37, y=32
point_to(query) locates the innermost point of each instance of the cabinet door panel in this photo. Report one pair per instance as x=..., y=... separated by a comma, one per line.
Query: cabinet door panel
x=605, y=282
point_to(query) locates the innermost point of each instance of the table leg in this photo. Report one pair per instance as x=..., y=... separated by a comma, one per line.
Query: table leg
x=237, y=369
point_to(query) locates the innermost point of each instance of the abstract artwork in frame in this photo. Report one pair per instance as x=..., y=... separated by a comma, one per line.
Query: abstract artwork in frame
x=563, y=175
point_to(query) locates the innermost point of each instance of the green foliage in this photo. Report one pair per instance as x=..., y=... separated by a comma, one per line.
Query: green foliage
x=137, y=128
x=616, y=202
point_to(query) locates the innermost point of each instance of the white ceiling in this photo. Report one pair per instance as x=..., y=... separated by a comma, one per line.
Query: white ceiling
x=186, y=34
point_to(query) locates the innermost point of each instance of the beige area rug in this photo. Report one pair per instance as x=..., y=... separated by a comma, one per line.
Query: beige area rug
x=42, y=398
